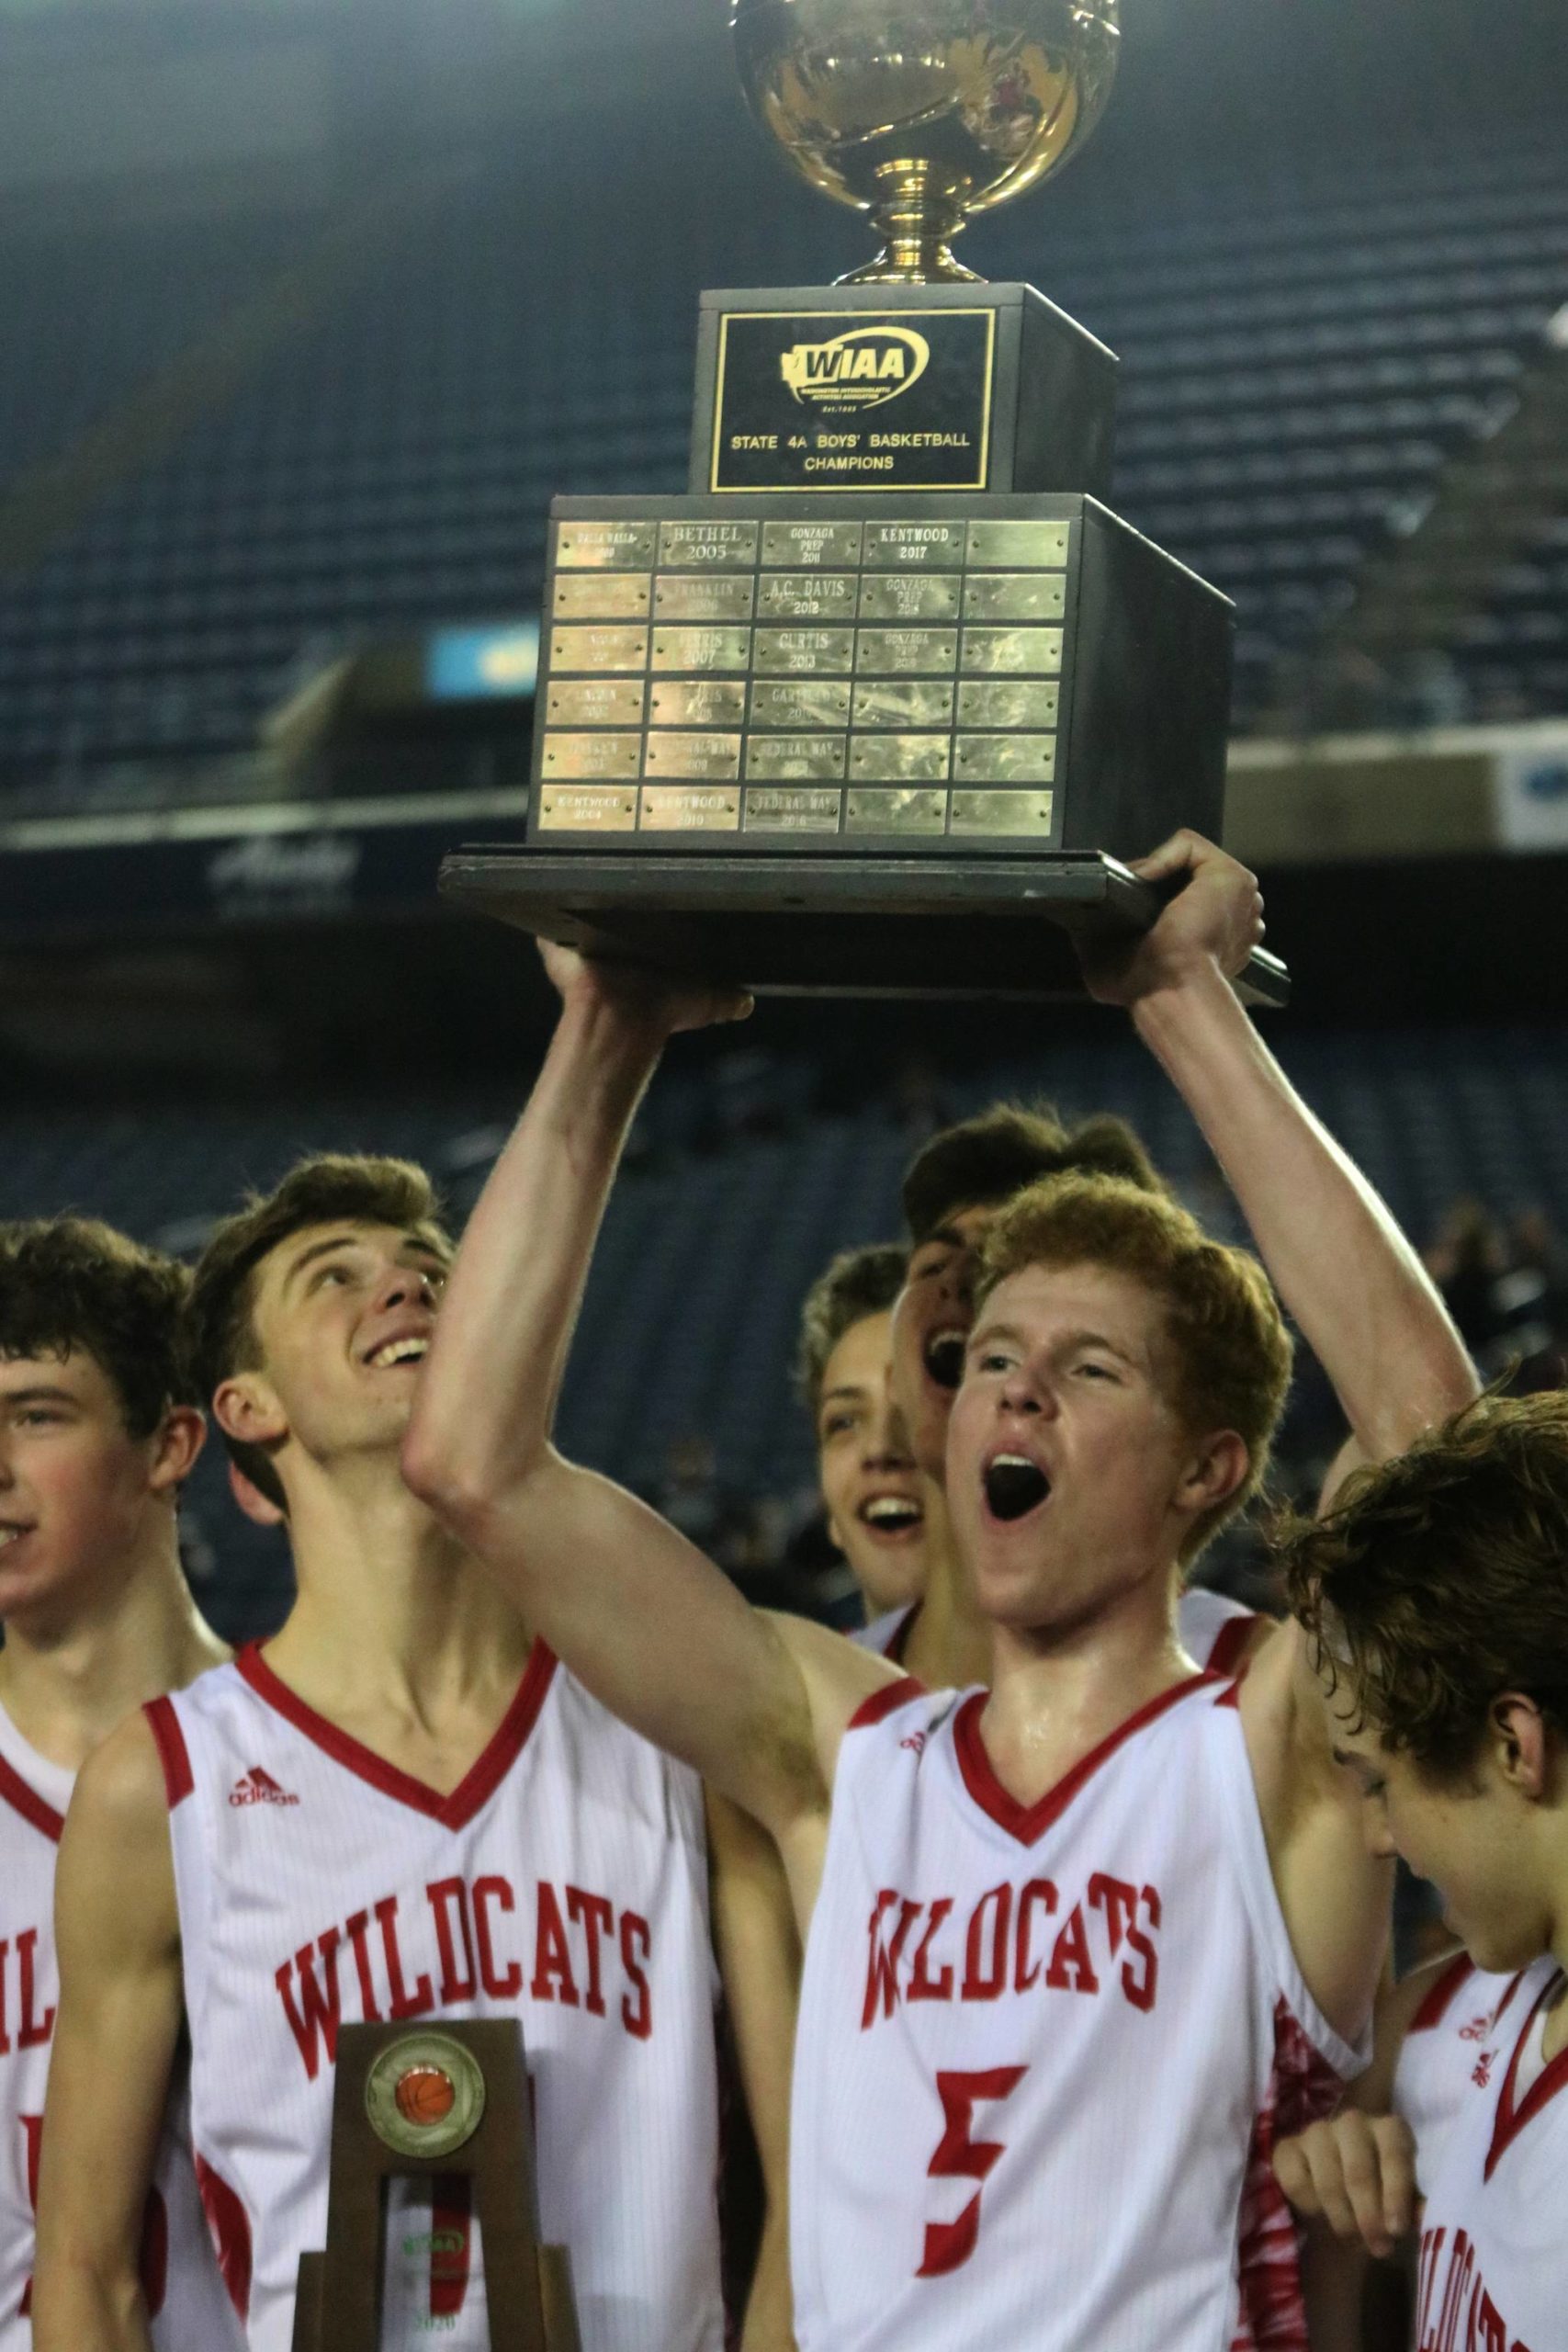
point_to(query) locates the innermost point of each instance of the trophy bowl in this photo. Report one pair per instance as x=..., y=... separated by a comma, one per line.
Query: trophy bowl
x=921, y=112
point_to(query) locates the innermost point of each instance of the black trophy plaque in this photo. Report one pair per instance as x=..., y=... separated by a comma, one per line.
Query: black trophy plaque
x=940, y=388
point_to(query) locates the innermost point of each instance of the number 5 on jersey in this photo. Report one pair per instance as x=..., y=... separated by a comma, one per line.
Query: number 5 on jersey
x=958, y=2156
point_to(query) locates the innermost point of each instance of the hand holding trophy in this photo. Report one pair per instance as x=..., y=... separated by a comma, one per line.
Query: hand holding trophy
x=889, y=666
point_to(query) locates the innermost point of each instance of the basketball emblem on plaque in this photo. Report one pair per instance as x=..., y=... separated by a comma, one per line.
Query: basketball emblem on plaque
x=448, y=2104
x=883, y=704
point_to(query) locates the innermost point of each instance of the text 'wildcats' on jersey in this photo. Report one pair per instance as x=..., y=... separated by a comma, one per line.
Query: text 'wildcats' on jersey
x=1493, y=2272
x=1043, y=2050
x=180, y=2286
x=563, y=1883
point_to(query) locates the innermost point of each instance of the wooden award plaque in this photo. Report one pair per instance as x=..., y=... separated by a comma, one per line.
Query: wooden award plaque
x=449, y=2102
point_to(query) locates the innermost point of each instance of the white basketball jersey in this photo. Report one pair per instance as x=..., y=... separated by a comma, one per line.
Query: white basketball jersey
x=563, y=1883
x=1493, y=2274
x=1039, y=2046
x=183, y=2295
x=1212, y=1629
x=1438, y=2055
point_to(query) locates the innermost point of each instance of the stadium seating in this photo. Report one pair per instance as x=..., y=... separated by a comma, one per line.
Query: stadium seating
x=711, y=1245
x=1301, y=352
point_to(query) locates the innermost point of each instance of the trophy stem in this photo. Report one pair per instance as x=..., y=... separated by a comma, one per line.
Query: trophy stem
x=915, y=219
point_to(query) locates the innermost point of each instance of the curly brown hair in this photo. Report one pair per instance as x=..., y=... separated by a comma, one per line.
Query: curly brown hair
x=72, y=1283
x=985, y=1160
x=1231, y=1347
x=325, y=1189
x=1441, y=1578
x=857, y=1283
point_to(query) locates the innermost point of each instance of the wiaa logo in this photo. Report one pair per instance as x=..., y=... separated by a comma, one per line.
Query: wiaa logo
x=859, y=369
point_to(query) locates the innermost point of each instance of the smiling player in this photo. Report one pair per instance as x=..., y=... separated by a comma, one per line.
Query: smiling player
x=870, y=1485
x=97, y=1436
x=400, y=1807
x=1074, y=1942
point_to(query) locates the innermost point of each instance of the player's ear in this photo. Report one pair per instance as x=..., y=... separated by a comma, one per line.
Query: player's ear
x=175, y=1448
x=1214, y=1471
x=1517, y=1738
x=258, y=1508
x=246, y=1408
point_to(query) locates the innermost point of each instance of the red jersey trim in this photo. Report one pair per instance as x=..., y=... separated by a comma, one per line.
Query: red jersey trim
x=1510, y=2120
x=173, y=1753
x=35, y=1810
x=882, y=1703
x=1026, y=1822
x=1226, y=1657
x=477, y=1785
x=1440, y=1992
x=897, y=1641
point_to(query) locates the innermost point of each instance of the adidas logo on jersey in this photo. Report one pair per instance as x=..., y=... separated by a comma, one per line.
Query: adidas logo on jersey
x=258, y=1787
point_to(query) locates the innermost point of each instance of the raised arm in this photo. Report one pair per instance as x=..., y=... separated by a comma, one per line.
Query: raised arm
x=1364, y=1304
x=646, y=1622
x=116, y=1926
x=1358, y=1292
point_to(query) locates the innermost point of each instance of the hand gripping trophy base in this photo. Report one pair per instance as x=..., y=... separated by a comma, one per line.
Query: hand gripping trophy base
x=916, y=219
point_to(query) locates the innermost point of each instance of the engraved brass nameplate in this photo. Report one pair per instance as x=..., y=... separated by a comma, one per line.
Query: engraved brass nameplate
x=581, y=808
x=602, y=596
x=1005, y=759
x=807, y=596
x=716, y=546
x=905, y=649
x=908, y=596
x=594, y=702
x=605, y=546
x=928, y=547
x=776, y=757
x=895, y=812
x=698, y=756
x=685, y=809
x=702, y=596
x=588, y=755
x=792, y=813
x=992, y=650
x=696, y=702
x=1015, y=595
x=804, y=651
x=1024, y=813
x=1007, y=702
x=1033, y=543
x=807, y=705
x=702, y=649
x=899, y=758
x=903, y=702
x=579, y=648
x=825, y=544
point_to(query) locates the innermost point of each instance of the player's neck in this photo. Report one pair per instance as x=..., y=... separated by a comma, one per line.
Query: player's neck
x=1057, y=1693
x=950, y=1642
x=389, y=1607
x=67, y=1682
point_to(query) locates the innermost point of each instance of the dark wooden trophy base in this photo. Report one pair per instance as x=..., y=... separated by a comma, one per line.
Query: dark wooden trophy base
x=527, y=2286
x=983, y=927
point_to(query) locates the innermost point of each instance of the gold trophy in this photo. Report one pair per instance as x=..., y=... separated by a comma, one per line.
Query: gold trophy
x=921, y=112
x=884, y=702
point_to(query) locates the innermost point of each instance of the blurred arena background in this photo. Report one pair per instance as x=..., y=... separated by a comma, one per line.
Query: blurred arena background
x=307, y=308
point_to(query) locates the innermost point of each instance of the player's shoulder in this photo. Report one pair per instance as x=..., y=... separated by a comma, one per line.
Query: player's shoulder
x=121, y=1793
